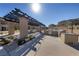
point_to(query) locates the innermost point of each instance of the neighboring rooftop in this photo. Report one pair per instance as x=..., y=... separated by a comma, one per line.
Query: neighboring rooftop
x=69, y=22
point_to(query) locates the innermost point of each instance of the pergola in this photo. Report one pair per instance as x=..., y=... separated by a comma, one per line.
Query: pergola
x=23, y=19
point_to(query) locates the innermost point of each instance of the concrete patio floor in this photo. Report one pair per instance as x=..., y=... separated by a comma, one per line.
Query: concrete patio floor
x=53, y=46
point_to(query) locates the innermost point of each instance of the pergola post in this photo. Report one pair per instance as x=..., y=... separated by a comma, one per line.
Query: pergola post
x=23, y=26
x=39, y=28
x=45, y=31
x=11, y=29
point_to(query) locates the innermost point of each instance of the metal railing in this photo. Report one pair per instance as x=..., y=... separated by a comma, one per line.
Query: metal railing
x=25, y=48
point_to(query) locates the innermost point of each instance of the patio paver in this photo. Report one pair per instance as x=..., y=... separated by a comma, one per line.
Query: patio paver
x=52, y=46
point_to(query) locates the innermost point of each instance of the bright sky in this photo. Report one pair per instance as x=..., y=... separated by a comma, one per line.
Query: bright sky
x=45, y=13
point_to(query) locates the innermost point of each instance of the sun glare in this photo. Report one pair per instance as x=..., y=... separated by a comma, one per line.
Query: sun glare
x=36, y=7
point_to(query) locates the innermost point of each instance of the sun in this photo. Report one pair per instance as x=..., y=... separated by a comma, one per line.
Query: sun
x=36, y=7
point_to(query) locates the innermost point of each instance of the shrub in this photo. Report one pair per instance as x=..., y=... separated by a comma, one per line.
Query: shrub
x=21, y=41
x=11, y=37
x=3, y=41
x=30, y=37
x=26, y=37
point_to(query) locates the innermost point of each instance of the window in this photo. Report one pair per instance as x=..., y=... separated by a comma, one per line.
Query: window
x=3, y=29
